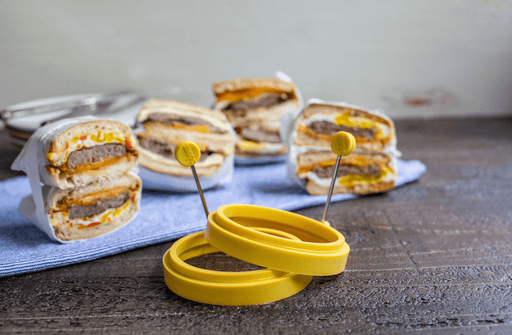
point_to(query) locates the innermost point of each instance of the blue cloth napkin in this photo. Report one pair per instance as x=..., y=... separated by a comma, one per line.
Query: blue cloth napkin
x=162, y=216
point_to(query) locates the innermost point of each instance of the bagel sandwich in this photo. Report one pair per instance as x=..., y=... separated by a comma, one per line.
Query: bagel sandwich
x=166, y=123
x=370, y=168
x=87, y=152
x=95, y=209
x=361, y=172
x=319, y=121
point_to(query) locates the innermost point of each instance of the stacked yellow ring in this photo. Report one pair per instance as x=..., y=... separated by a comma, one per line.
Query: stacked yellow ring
x=293, y=247
x=321, y=250
x=225, y=288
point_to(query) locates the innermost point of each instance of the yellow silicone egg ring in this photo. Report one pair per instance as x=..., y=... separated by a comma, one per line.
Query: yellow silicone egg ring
x=222, y=287
x=322, y=250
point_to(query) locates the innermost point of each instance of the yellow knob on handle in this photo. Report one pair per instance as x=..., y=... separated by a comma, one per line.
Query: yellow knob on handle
x=343, y=143
x=187, y=153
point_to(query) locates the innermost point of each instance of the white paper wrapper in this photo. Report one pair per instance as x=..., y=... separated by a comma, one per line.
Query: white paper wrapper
x=165, y=182
x=288, y=131
x=33, y=156
x=261, y=159
x=32, y=161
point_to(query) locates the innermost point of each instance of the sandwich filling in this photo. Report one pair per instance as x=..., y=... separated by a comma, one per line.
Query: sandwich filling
x=254, y=108
x=329, y=128
x=251, y=101
x=373, y=170
x=348, y=174
x=258, y=135
x=183, y=122
x=258, y=141
x=92, y=209
x=267, y=96
x=98, y=206
x=167, y=149
x=96, y=154
x=362, y=128
x=90, y=152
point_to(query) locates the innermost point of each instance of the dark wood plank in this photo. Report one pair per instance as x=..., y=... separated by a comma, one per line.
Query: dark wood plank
x=432, y=256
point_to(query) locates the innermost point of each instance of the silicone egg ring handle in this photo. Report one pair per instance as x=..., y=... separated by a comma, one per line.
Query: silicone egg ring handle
x=224, y=288
x=311, y=258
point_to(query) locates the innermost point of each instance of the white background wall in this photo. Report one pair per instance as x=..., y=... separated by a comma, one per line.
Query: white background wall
x=407, y=57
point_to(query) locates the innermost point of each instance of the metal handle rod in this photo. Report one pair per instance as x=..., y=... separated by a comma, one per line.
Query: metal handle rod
x=200, y=190
x=332, y=187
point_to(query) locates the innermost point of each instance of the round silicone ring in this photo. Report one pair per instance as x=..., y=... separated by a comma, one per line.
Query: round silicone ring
x=321, y=251
x=221, y=287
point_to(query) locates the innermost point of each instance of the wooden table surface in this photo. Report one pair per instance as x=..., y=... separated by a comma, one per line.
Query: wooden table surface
x=432, y=256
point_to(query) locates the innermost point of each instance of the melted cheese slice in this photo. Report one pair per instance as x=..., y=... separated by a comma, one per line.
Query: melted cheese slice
x=199, y=128
x=345, y=119
x=87, y=141
x=360, y=161
x=247, y=93
x=249, y=145
x=260, y=148
x=102, y=217
x=91, y=221
x=91, y=167
x=203, y=147
x=350, y=180
x=90, y=198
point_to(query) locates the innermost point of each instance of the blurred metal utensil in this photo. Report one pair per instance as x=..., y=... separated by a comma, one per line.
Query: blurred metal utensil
x=50, y=106
x=113, y=106
x=82, y=106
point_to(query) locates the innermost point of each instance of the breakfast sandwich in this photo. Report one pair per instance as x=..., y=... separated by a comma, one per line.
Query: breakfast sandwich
x=319, y=121
x=254, y=107
x=166, y=123
x=93, y=210
x=89, y=151
x=87, y=167
x=361, y=172
x=76, y=152
x=370, y=168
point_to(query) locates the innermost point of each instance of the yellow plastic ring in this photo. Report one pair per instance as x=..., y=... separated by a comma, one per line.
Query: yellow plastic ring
x=222, y=287
x=321, y=251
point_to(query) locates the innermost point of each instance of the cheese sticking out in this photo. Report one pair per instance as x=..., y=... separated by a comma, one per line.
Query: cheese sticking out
x=350, y=180
x=247, y=93
x=249, y=145
x=345, y=119
x=86, y=141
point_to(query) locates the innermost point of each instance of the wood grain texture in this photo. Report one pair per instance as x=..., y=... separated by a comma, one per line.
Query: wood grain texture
x=431, y=256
